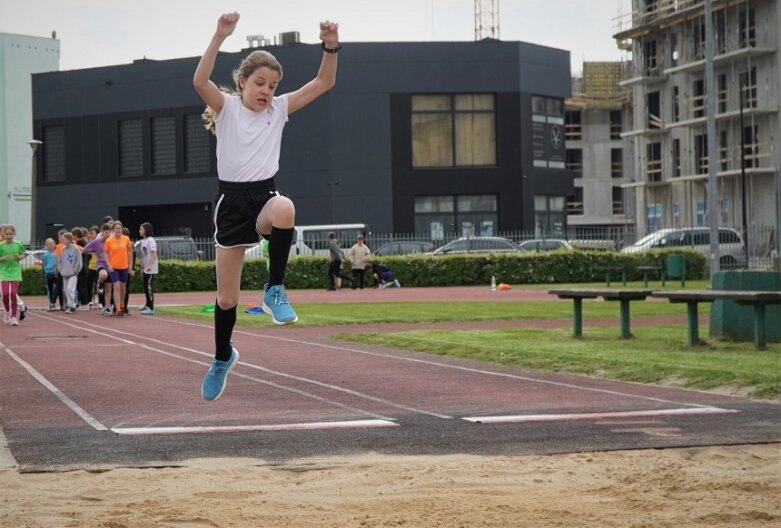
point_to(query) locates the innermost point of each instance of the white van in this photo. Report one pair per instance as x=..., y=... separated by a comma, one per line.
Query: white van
x=731, y=248
x=313, y=239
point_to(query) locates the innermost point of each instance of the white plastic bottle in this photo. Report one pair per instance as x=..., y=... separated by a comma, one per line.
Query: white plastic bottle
x=493, y=282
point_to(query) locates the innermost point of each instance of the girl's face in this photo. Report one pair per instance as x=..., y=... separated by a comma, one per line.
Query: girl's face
x=50, y=245
x=118, y=230
x=258, y=89
x=8, y=235
x=142, y=232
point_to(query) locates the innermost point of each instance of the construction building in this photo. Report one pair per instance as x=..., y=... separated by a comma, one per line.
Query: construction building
x=597, y=113
x=667, y=136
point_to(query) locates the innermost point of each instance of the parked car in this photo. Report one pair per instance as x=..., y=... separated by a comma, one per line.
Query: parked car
x=172, y=248
x=732, y=251
x=544, y=244
x=406, y=247
x=313, y=239
x=33, y=258
x=477, y=245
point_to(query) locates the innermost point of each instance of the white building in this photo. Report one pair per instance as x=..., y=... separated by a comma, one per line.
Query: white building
x=668, y=138
x=20, y=56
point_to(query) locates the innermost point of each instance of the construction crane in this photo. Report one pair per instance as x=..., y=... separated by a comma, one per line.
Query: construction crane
x=486, y=19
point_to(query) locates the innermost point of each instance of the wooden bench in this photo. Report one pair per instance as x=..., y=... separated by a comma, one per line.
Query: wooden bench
x=623, y=296
x=758, y=299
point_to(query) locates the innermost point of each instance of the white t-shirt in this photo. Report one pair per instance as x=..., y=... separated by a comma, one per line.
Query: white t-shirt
x=248, y=142
x=148, y=245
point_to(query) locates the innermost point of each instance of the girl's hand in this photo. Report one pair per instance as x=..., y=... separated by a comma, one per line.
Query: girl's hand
x=227, y=23
x=329, y=33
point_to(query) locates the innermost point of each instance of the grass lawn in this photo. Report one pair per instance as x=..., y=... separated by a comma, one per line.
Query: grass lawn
x=657, y=354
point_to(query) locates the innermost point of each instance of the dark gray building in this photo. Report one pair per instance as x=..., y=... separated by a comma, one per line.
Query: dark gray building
x=453, y=137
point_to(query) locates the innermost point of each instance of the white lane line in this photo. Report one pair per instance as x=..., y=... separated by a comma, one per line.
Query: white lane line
x=310, y=381
x=347, y=424
x=302, y=393
x=454, y=367
x=72, y=405
x=522, y=418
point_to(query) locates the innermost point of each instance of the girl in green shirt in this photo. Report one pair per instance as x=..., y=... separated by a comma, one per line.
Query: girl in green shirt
x=11, y=252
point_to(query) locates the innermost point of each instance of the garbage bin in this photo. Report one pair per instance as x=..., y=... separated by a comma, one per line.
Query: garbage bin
x=735, y=321
x=676, y=267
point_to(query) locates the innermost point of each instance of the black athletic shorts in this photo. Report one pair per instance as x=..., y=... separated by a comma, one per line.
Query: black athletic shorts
x=236, y=210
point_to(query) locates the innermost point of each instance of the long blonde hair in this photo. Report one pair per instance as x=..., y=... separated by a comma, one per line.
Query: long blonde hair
x=253, y=61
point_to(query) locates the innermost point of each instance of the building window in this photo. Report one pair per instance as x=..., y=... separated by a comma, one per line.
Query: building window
x=197, y=145
x=573, y=128
x=721, y=31
x=654, y=162
x=747, y=26
x=651, y=59
x=131, y=148
x=53, y=152
x=698, y=101
x=466, y=215
x=163, y=145
x=698, y=33
x=653, y=216
x=616, y=163
x=676, y=158
x=575, y=203
x=618, y=200
x=701, y=213
x=677, y=214
x=748, y=88
x=723, y=151
x=654, y=109
x=701, y=154
x=751, y=146
x=453, y=130
x=575, y=162
x=721, y=95
x=549, y=215
x=615, y=124
x=676, y=104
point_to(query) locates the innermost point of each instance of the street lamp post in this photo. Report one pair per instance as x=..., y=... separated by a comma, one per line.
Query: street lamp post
x=34, y=144
x=743, y=171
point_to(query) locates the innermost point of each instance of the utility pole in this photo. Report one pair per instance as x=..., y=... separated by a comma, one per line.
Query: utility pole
x=34, y=144
x=713, y=188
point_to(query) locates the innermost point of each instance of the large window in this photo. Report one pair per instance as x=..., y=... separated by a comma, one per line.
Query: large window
x=453, y=130
x=748, y=88
x=53, y=153
x=163, y=145
x=653, y=162
x=549, y=215
x=464, y=215
x=747, y=26
x=616, y=163
x=575, y=162
x=701, y=154
x=196, y=145
x=131, y=148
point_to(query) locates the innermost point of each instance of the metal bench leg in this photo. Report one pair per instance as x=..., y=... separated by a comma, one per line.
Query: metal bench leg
x=625, y=333
x=577, y=317
x=623, y=277
x=645, y=279
x=607, y=279
x=760, y=339
x=694, y=323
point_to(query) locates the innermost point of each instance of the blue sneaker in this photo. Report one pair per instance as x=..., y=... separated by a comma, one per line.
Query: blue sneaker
x=214, y=381
x=275, y=304
x=147, y=311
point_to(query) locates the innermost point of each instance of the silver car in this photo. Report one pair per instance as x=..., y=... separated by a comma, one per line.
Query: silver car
x=477, y=244
x=732, y=250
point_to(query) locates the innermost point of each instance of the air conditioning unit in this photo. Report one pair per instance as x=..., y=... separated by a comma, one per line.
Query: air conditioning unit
x=289, y=37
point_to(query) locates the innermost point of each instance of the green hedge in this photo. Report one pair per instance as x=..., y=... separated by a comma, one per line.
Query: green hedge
x=421, y=270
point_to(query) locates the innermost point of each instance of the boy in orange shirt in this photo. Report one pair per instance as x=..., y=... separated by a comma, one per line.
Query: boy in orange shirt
x=118, y=251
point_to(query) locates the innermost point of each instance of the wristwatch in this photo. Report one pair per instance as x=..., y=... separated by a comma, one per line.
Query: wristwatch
x=331, y=50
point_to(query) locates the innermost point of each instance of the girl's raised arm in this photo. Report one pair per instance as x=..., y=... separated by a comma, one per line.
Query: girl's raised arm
x=326, y=76
x=208, y=91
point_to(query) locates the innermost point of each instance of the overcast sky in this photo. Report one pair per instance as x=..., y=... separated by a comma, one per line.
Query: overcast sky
x=106, y=32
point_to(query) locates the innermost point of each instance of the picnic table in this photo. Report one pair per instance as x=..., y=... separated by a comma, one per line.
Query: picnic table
x=757, y=299
x=623, y=296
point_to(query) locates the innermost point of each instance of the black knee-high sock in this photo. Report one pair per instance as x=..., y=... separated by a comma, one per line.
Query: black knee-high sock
x=224, y=320
x=278, y=252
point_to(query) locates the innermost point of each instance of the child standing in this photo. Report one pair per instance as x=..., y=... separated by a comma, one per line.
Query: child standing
x=50, y=272
x=11, y=252
x=118, y=250
x=248, y=126
x=69, y=265
x=149, y=266
x=95, y=248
